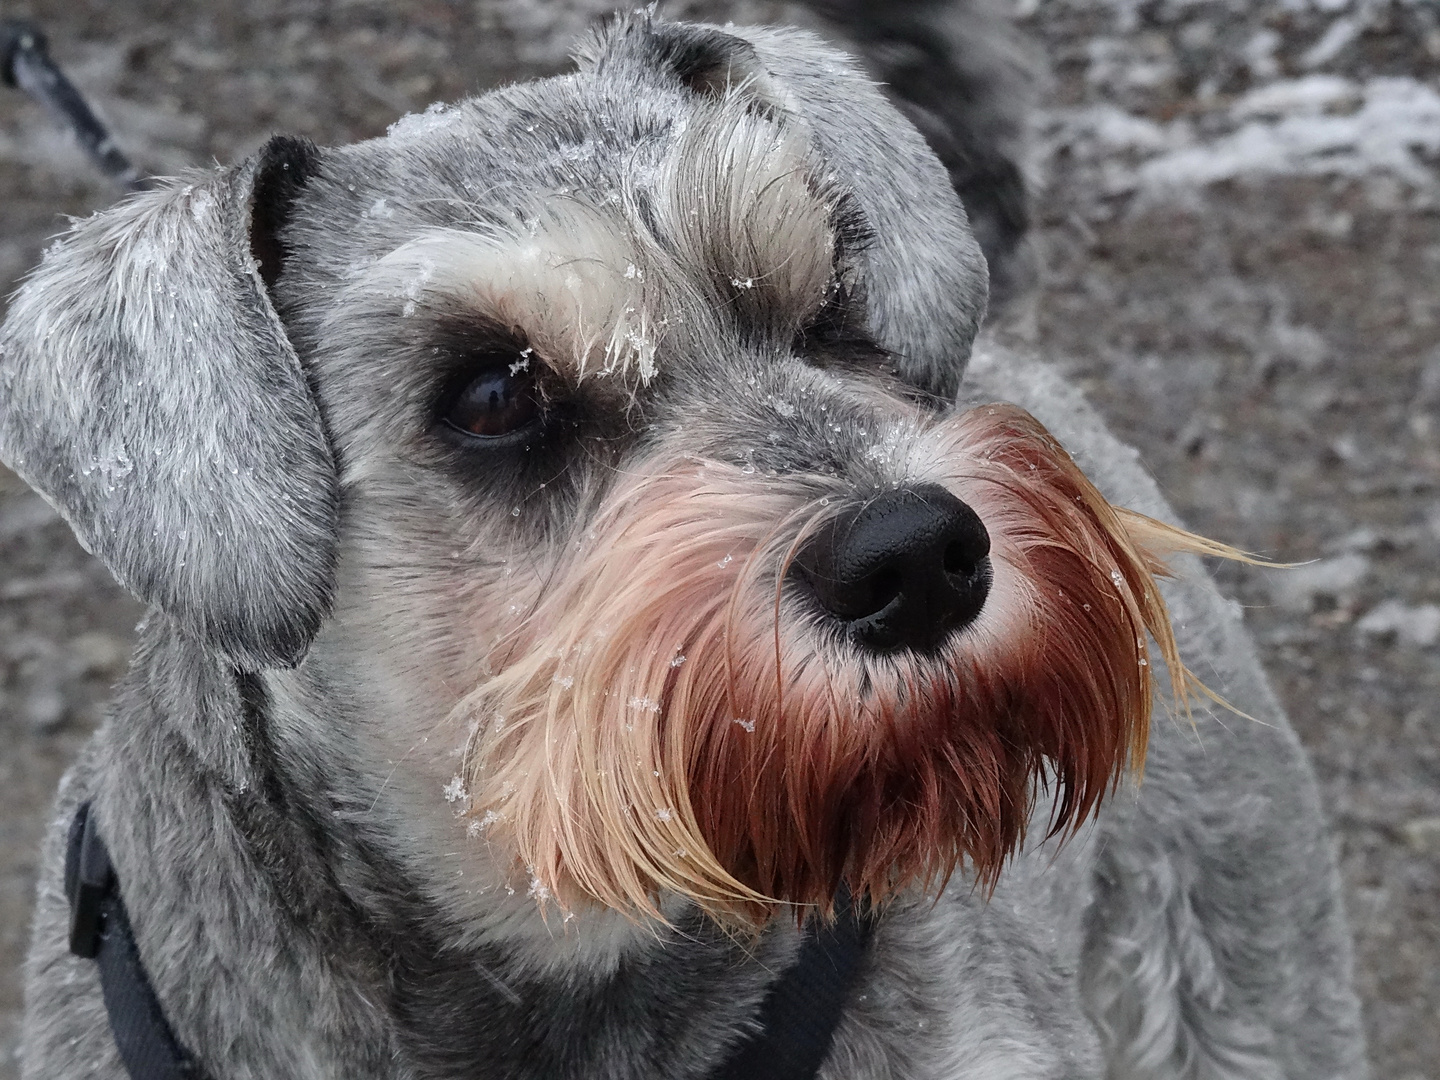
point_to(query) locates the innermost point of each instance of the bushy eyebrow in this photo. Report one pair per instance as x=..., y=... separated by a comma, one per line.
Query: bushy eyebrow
x=737, y=206
x=729, y=236
x=572, y=290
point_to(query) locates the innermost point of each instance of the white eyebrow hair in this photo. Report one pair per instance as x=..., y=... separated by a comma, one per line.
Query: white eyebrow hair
x=577, y=288
x=730, y=216
x=735, y=200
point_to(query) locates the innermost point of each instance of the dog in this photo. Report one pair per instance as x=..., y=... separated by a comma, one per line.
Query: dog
x=587, y=566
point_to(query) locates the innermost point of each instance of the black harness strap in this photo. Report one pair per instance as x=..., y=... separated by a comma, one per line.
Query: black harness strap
x=100, y=930
x=802, y=1010
x=798, y=1016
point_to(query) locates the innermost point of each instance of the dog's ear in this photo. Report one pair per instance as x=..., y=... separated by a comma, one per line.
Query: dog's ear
x=923, y=275
x=149, y=391
x=703, y=59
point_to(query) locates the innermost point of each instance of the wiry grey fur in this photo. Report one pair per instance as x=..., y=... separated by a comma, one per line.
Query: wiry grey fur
x=225, y=388
x=148, y=318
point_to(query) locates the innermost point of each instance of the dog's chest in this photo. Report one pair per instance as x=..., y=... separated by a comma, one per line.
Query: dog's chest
x=670, y=1010
x=936, y=996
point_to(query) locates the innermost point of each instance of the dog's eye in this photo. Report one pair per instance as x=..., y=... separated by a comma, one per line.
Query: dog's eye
x=496, y=403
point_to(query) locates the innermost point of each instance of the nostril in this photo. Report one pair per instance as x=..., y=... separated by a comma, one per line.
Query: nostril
x=885, y=586
x=958, y=559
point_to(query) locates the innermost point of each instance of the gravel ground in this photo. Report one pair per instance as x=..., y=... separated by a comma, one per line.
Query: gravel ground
x=1237, y=252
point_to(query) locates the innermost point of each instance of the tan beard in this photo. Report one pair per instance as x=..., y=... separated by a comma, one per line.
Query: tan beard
x=667, y=720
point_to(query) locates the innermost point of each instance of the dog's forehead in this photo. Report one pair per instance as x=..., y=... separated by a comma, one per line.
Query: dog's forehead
x=576, y=135
x=725, y=189
x=610, y=227
x=588, y=133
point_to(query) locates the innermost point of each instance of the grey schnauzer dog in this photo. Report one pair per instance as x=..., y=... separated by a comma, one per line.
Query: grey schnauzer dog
x=584, y=557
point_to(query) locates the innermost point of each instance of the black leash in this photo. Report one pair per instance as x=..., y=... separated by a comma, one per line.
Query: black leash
x=798, y=1016
x=25, y=63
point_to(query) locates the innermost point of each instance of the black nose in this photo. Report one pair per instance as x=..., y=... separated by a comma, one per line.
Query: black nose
x=907, y=571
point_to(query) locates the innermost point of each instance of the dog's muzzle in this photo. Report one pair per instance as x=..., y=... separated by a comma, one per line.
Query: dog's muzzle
x=664, y=721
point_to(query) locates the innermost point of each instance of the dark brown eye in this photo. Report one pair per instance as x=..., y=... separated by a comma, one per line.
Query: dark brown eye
x=496, y=403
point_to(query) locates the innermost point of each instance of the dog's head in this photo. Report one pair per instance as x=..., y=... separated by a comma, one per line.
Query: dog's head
x=601, y=428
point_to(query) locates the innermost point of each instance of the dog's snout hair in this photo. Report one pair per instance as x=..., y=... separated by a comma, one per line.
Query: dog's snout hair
x=670, y=718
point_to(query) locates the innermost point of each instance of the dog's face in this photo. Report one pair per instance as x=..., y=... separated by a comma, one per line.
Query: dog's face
x=589, y=447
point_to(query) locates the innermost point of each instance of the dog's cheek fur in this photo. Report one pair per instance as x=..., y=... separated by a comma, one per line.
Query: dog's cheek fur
x=425, y=626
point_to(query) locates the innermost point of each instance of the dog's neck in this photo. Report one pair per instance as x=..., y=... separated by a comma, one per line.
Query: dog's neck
x=345, y=822
x=397, y=849
x=369, y=890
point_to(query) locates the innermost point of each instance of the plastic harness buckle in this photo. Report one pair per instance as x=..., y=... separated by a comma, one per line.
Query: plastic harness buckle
x=89, y=879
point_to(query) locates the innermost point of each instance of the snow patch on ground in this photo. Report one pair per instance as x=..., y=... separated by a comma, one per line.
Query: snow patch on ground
x=1418, y=625
x=1297, y=587
x=1317, y=125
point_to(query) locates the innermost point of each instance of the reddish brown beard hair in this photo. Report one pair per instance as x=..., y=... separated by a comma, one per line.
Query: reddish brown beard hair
x=669, y=719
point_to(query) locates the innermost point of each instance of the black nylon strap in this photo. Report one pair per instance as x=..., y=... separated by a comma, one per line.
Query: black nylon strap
x=802, y=1010
x=798, y=1016
x=100, y=930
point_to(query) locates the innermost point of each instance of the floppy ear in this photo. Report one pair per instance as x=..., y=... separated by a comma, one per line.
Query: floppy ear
x=703, y=59
x=149, y=392
x=924, y=277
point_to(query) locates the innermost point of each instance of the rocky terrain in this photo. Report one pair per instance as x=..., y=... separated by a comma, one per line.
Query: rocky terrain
x=1236, y=251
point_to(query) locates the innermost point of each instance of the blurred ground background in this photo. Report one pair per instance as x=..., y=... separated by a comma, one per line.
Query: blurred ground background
x=1237, y=247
